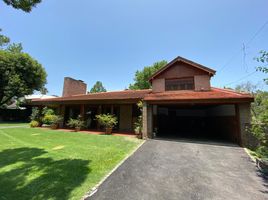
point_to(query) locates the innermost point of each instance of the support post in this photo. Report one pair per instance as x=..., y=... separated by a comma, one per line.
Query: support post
x=62, y=114
x=244, y=119
x=82, y=111
x=147, y=121
x=112, y=109
x=99, y=111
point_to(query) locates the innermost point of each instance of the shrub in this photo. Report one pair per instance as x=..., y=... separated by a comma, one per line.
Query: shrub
x=262, y=152
x=36, y=114
x=56, y=119
x=48, y=119
x=47, y=111
x=260, y=130
x=34, y=124
x=138, y=123
x=51, y=119
x=76, y=123
x=107, y=120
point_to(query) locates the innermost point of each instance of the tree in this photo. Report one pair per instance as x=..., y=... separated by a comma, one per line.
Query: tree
x=260, y=105
x=98, y=87
x=15, y=48
x=263, y=59
x=25, y=5
x=246, y=87
x=20, y=75
x=141, y=77
x=4, y=40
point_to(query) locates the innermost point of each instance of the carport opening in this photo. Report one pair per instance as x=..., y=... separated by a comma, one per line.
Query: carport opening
x=208, y=122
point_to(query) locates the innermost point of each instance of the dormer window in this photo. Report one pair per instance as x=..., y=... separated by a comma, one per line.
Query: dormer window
x=179, y=84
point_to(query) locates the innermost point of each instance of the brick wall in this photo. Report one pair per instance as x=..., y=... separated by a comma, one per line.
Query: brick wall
x=147, y=125
x=73, y=87
x=245, y=119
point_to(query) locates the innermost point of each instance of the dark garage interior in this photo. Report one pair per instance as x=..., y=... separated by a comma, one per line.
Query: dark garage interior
x=208, y=122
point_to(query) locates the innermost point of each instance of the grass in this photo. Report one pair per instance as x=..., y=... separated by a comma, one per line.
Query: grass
x=7, y=124
x=47, y=164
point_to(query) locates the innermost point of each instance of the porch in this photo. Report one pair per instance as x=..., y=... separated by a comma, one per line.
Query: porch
x=127, y=114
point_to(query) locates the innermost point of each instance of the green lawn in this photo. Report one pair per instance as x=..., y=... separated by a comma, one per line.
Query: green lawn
x=7, y=124
x=48, y=164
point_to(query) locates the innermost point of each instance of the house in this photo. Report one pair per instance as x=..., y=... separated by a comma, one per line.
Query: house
x=20, y=110
x=181, y=103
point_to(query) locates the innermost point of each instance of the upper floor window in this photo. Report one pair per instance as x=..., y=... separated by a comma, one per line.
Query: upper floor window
x=180, y=84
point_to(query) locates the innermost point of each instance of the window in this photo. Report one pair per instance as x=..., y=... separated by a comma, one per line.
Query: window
x=180, y=84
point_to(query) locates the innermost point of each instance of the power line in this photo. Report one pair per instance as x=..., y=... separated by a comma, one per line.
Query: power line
x=242, y=49
x=242, y=78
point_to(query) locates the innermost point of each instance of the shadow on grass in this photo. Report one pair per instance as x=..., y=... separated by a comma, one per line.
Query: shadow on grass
x=24, y=175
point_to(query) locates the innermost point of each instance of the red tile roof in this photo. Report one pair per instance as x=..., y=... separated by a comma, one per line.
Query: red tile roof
x=175, y=96
x=199, y=96
x=115, y=95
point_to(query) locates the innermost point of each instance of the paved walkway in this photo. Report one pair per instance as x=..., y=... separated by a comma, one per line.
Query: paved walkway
x=178, y=170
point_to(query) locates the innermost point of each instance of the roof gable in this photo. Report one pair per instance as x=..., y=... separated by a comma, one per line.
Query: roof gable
x=211, y=72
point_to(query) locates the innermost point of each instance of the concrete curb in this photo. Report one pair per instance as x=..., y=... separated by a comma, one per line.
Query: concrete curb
x=95, y=189
x=251, y=157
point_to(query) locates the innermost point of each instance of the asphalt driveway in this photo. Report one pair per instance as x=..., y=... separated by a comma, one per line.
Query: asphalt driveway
x=167, y=170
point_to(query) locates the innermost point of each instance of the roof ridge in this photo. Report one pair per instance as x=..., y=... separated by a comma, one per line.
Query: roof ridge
x=185, y=60
x=112, y=92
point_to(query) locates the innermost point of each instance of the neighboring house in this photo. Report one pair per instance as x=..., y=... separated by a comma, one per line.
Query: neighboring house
x=20, y=110
x=181, y=103
x=39, y=96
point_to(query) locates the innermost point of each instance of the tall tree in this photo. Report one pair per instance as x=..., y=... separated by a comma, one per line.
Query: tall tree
x=141, y=77
x=20, y=74
x=25, y=5
x=98, y=87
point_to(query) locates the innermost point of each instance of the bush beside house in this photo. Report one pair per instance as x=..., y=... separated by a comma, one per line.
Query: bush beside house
x=45, y=116
x=138, y=123
x=108, y=121
x=258, y=130
x=77, y=124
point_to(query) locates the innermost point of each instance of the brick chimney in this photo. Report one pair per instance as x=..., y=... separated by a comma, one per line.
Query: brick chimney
x=73, y=87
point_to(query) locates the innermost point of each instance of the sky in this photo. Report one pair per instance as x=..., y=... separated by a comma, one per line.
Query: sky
x=109, y=41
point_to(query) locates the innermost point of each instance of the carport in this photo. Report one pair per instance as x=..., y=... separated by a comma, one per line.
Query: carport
x=216, y=114
x=196, y=121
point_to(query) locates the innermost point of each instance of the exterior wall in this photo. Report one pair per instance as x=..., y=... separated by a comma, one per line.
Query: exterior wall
x=202, y=82
x=182, y=70
x=158, y=85
x=244, y=120
x=125, y=123
x=147, y=116
x=73, y=87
